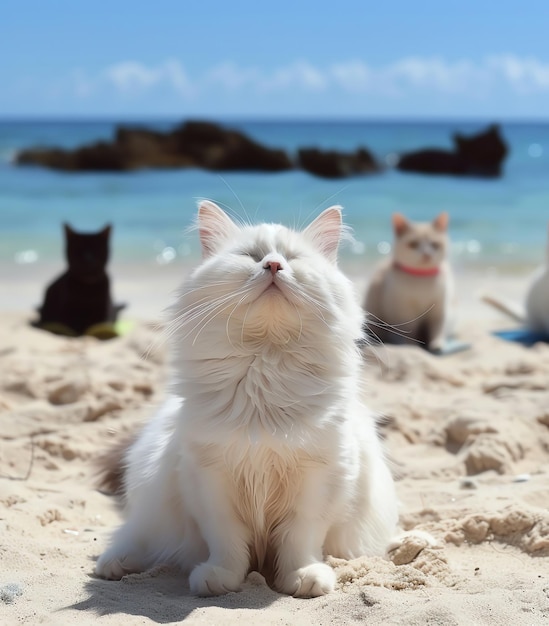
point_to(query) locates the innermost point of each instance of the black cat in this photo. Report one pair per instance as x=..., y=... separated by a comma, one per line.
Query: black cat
x=80, y=298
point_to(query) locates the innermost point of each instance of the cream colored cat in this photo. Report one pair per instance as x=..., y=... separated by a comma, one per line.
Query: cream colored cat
x=409, y=296
x=537, y=299
x=264, y=457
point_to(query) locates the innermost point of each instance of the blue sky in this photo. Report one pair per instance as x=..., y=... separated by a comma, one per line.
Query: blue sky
x=396, y=58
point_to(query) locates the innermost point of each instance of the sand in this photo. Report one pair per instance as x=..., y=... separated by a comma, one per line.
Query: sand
x=467, y=435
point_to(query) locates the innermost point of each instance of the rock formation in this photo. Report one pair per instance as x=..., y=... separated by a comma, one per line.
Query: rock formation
x=209, y=146
x=193, y=144
x=477, y=155
x=332, y=164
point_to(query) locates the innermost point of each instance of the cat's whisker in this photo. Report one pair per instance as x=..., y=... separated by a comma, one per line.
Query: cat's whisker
x=413, y=319
x=323, y=202
x=197, y=308
x=393, y=328
x=200, y=307
x=329, y=198
x=299, y=294
x=375, y=346
x=181, y=321
x=237, y=197
x=211, y=287
x=405, y=334
x=300, y=322
x=201, y=315
x=244, y=323
x=206, y=298
x=212, y=315
x=159, y=340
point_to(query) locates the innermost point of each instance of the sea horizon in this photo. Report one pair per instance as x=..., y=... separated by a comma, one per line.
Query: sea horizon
x=285, y=118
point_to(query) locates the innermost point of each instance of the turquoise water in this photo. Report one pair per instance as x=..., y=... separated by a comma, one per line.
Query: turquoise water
x=501, y=221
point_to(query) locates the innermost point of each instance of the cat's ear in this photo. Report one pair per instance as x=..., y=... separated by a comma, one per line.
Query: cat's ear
x=400, y=224
x=214, y=227
x=441, y=222
x=67, y=229
x=325, y=232
x=106, y=231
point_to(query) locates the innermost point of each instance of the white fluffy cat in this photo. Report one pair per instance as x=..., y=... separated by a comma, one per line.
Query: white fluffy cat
x=537, y=299
x=410, y=295
x=265, y=456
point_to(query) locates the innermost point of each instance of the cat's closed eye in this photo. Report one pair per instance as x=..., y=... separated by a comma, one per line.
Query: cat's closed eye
x=256, y=255
x=414, y=244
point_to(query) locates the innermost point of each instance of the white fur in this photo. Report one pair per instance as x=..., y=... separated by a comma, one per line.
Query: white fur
x=271, y=458
x=537, y=300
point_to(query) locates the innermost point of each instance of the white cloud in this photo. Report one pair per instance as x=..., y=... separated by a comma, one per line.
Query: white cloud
x=127, y=76
x=231, y=77
x=432, y=75
x=133, y=77
x=352, y=75
x=177, y=76
x=526, y=75
x=298, y=75
x=426, y=75
x=435, y=73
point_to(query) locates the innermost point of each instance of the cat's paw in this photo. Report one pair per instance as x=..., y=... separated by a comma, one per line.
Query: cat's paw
x=122, y=558
x=213, y=580
x=317, y=579
x=115, y=568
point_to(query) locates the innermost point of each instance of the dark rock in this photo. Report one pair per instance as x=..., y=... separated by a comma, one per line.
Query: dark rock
x=332, y=164
x=194, y=144
x=215, y=148
x=147, y=148
x=478, y=155
x=484, y=152
x=55, y=158
x=100, y=156
x=433, y=161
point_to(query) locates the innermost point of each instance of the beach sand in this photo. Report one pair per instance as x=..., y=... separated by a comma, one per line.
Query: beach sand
x=467, y=435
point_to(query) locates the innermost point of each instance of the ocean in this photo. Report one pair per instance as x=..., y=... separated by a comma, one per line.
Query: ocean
x=493, y=222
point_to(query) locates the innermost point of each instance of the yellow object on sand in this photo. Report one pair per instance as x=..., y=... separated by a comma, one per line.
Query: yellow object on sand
x=105, y=330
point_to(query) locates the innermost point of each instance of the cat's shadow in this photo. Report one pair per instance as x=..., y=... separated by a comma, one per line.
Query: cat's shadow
x=165, y=597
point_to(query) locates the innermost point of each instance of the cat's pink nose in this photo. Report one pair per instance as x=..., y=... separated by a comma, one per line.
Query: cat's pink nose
x=273, y=265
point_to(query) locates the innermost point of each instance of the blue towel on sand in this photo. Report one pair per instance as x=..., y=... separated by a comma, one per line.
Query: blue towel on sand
x=522, y=335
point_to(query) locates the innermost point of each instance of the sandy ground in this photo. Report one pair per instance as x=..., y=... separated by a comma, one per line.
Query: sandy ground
x=468, y=436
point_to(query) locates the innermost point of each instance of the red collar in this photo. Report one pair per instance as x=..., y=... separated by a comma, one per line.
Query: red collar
x=418, y=271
